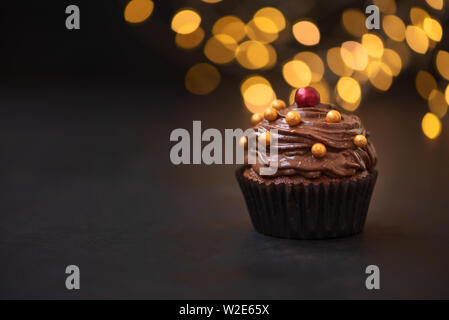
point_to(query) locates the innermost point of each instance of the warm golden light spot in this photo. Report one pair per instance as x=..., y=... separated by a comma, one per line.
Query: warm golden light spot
x=349, y=106
x=425, y=83
x=394, y=27
x=269, y=20
x=265, y=25
x=257, y=94
x=436, y=4
x=255, y=55
x=361, y=76
x=417, y=16
x=392, y=59
x=220, y=49
x=403, y=51
x=416, y=39
x=306, y=33
x=433, y=29
x=272, y=56
x=354, y=55
x=353, y=21
x=258, y=55
x=380, y=75
x=137, y=11
x=324, y=90
x=314, y=62
x=431, y=125
x=349, y=89
x=254, y=33
x=386, y=6
x=291, y=97
x=336, y=64
x=211, y=1
x=185, y=21
x=230, y=25
x=250, y=81
x=373, y=45
x=297, y=74
x=437, y=103
x=446, y=94
x=442, y=63
x=202, y=78
x=190, y=40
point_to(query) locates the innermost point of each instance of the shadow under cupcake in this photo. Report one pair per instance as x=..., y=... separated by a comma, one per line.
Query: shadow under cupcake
x=325, y=176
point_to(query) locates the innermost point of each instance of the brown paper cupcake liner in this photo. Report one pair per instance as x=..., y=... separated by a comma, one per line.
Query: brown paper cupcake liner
x=312, y=211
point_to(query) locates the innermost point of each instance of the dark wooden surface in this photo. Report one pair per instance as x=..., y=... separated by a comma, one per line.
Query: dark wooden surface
x=86, y=180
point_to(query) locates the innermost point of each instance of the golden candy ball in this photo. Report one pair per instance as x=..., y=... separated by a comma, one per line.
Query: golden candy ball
x=270, y=114
x=293, y=118
x=360, y=140
x=256, y=118
x=319, y=150
x=265, y=138
x=333, y=116
x=243, y=142
x=278, y=104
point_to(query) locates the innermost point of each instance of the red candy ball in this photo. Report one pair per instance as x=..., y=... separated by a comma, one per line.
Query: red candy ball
x=307, y=97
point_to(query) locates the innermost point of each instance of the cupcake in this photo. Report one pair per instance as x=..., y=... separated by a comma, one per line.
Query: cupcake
x=325, y=172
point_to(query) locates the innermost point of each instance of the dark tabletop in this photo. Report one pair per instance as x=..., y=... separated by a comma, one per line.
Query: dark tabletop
x=87, y=180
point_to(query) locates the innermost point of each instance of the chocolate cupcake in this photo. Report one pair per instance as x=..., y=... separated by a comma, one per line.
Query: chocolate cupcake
x=325, y=172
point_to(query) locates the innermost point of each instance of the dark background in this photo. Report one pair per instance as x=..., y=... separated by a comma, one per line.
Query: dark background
x=85, y=119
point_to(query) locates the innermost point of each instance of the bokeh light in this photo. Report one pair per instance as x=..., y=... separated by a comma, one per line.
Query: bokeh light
x=185, y=21
x=373, y=45
x=394, y=27
x=306, y=33
x=436, y=4
x=230, y=25
x=190, y=40
x=336, y=64
x=437, y=103
x=354, y=55
x=255, y=55
x=433, y=29
x=202, y=78
x=393, y=60
x=269, y=20
x=324, y=90
x=417, y=39
x=425, y=83
x=257, y=94
x=254, y=33
x=417, y=16
x=380, y=75
x=386, y=6
x=348, y=106
x=403, y=51
x=446, y=94
x=137, y=11
x=353, y=21
x=431, y=125
x=314, y=63
x=348, y=89
x=220, y=49
x=211, y=1
x=442, y=63
x=297, y=74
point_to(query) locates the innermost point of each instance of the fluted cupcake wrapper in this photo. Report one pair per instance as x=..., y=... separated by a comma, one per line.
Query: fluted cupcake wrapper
x=312, y=211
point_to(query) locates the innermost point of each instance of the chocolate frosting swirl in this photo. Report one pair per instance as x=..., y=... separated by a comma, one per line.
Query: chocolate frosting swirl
x=343, y=158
